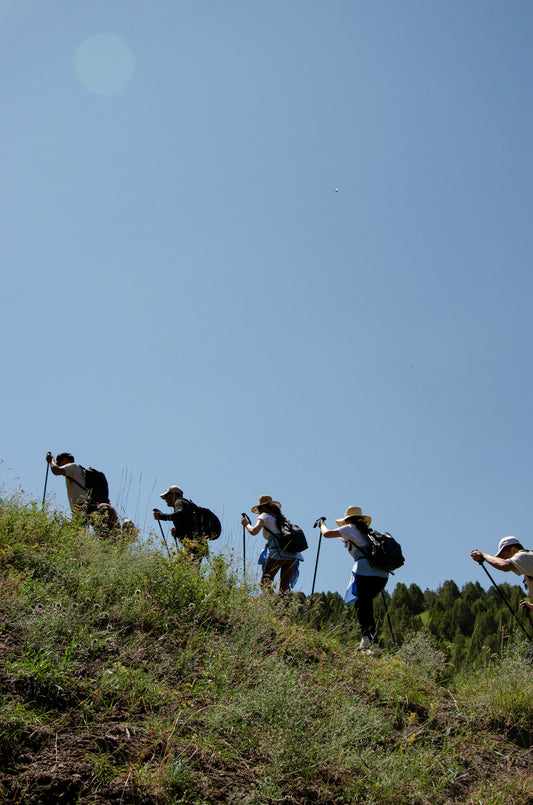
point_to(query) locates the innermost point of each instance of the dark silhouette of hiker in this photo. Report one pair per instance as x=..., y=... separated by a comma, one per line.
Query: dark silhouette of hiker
x=186, y=530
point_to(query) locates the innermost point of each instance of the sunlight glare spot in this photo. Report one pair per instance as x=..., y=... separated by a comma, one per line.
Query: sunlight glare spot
x=104, y=64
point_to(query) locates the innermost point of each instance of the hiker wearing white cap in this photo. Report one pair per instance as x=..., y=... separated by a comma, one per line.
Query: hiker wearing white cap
x=194, y=544
x=366, y=581
x=511, y=556
x=271, y=520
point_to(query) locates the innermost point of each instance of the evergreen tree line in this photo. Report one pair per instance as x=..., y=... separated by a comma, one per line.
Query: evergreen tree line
x=467, y=623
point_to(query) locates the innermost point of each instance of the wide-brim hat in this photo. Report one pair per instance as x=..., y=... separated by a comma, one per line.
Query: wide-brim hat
x=506, y=542
x=264, y=500
x=172, y=490
x=354, y=511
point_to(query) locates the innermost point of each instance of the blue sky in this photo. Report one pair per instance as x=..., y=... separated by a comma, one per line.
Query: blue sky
x=187, y=299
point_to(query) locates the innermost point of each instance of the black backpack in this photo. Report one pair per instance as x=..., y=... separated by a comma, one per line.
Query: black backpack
x=291, y=538
x=96, y=485
x=207, y=523
x=384, y=552
x=191, y=520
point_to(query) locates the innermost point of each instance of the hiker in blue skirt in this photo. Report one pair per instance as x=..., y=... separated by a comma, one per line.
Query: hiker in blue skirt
x=366, y=582
x=271, y=520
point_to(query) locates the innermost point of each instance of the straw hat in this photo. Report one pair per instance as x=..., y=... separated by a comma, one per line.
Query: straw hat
x=353, y=511
x=263, y=501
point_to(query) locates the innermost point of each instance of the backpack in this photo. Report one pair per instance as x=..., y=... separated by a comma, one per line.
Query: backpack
x=384, y=552
x=96, y=486
x=192, y=520
x=291, y=538
x=207, y=523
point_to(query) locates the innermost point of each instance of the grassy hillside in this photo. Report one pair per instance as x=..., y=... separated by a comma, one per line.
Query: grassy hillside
x=127, y=678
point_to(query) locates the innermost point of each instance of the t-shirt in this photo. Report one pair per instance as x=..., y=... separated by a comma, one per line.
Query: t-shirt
x=523, y=564
x=75, y=480
x=352, y=538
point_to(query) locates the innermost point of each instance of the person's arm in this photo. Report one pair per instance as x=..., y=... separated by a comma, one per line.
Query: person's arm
x=159, y=515
x=252, y=529
x=526, y=606
x=329, y=533
x=495, y=561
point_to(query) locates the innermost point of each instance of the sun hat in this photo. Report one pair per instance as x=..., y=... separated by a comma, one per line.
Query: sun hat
x=354, y=511
x=172, y=490
x=263, y=501
x=506, y=542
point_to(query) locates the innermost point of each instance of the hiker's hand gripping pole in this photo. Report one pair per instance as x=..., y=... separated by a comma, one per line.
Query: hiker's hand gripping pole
x=316, y=524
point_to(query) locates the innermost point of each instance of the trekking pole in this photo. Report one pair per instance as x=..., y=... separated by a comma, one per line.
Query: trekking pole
x=244, y=545
x=45, y=483
x=504, y=599
x=315, y=525
x=164, y=538
x=388, y=617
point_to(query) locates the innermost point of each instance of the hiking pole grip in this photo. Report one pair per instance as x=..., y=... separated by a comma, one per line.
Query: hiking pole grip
x=318, y=521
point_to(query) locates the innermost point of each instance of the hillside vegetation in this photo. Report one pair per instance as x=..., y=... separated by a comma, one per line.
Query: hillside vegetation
x=129, y=678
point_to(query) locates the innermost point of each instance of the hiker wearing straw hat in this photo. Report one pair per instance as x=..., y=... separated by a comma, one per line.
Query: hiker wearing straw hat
x=271, y=520
x=366, y=581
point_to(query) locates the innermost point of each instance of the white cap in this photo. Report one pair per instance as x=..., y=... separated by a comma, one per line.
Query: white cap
x=506, y=542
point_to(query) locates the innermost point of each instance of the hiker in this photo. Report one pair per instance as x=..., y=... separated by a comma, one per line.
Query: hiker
x=366, y=581
x=92, y=506
x=189, y=529
x=511, y=555
x=270, y=518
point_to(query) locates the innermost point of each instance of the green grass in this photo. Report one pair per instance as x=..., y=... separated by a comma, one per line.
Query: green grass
x=130, y=678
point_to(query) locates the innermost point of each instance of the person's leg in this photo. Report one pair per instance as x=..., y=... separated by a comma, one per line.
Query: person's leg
x=367, y=589
x=287, y=571
x=105, y=520
x=270, y=569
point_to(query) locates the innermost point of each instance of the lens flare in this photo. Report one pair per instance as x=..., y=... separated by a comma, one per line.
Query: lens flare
x=104, y=64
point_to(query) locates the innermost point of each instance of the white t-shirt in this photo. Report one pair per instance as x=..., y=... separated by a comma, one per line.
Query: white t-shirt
x=523, y=565
x=75, y=491
x=352, y=538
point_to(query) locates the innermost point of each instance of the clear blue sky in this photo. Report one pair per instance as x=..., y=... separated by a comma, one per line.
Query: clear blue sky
x=187, y=299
